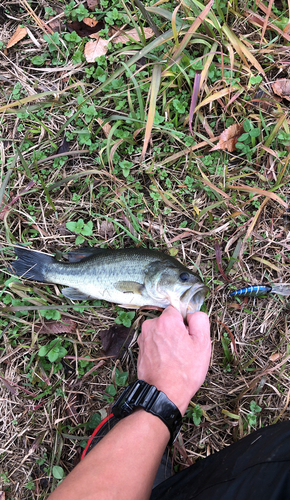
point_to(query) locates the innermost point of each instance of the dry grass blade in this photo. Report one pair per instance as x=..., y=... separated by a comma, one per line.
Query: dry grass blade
x=216, y=96
x=252, y=226
x=242, y=50
x=154, y=89
x=207, y=64
x=195, y=25
x=218, y=256
x=267, y=263
x=26, y=100
x=262, y=192
x=7, y=385
x=195, y=91
x=35, y=17
x=173, y=24
x=266, y=20
x=259, y=21
x=255, y=218
x=211, y=185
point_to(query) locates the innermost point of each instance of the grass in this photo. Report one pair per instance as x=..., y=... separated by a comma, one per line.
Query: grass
x=134, y=174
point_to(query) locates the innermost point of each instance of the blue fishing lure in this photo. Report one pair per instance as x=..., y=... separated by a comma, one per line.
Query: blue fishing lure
x=258, y=290
x=252, y=291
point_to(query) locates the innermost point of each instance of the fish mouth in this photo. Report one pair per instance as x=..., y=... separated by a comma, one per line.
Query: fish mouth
x=192, y=300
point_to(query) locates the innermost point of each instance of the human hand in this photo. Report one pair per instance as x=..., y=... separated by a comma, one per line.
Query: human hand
x=175, y=358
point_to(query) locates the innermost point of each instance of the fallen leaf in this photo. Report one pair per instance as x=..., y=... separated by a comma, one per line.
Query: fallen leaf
x=107, y=229
x=90, y=22
x=18, y=35
x=274, y=357
x=148, y=32
x=228, y=138
x=84, y=29
x=116, y=338
x=281, y=87
x=95, y=49
x=106, y=128
x=64, y=147
x=92, y=4
x=56, y=24
x=2, y=495
x=65, y=325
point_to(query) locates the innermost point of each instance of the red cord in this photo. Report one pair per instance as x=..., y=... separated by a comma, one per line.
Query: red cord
x=94, y=433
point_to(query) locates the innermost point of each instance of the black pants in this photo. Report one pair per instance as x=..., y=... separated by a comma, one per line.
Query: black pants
x=255, y=468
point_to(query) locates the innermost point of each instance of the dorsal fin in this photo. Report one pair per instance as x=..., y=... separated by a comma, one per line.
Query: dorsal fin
x=84, y=253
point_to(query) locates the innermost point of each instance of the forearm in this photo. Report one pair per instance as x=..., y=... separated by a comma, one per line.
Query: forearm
x=122, y=465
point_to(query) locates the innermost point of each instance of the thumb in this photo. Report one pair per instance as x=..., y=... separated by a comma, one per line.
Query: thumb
x=199, y=327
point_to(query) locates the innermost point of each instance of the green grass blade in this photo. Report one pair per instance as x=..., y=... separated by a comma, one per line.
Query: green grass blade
x=195, y=25
x=161, y=40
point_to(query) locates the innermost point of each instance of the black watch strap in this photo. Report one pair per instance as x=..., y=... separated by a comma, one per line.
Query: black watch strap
x=146, y=396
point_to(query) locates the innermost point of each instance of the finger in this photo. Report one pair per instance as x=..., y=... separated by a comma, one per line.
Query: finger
x=172, y=314
x=199, y=327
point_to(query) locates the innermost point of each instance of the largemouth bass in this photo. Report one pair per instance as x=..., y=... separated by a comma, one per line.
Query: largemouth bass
x=130, y=277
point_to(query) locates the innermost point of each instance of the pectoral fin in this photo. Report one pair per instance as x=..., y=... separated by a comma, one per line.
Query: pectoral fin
x=74, y=294
x=129, y=287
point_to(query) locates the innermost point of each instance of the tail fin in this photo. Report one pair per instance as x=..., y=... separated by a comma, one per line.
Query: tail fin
x=30, y=264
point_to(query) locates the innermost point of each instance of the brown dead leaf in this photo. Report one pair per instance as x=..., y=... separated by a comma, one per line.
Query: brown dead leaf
x=107, y=229
x=106, y=128
x=86, y=29
x=2, y=495
x=92, y=4
x=66, y=325
x=281, y=87
x=148, y=32
x=95, y=49
x=56, y=24
x=228, y=138
x=274, y=357
x=18, y=35
x=116, y=340
x=64, y=147
x=90, y=22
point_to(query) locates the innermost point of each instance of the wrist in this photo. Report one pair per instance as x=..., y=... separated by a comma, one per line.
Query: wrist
x=177, y=395
x=150, y=422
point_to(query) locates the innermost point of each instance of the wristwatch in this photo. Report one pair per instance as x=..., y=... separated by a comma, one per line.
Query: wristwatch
x=139, y=394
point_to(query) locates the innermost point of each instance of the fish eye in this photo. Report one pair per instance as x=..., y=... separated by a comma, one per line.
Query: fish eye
x=184, y=276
